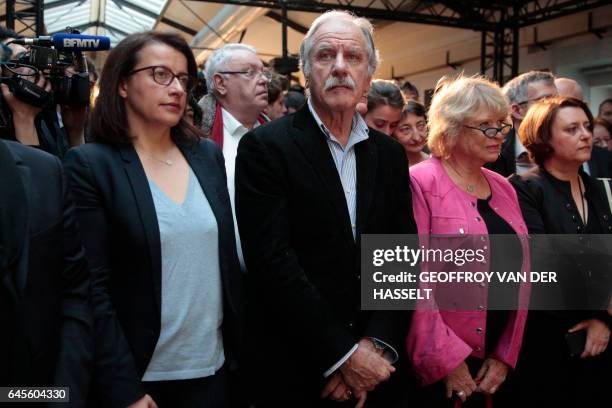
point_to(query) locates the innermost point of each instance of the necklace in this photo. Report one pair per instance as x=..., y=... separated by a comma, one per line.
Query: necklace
x=470, y=187
x=167, y=162
x=148, y=155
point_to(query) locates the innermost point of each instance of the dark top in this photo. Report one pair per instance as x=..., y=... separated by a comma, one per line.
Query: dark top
x=549, y=208
x=303, y=262
x=45, y=315
x=52, y=138
x=501, y=297
x=121, y=235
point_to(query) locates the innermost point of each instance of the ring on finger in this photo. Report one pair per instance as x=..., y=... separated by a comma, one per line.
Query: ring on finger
x=460, y=393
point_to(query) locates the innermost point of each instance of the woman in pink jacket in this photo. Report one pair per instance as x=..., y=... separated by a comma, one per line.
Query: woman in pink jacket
x=466, y=351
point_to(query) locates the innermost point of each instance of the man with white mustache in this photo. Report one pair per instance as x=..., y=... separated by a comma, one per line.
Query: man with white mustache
x=307, y=186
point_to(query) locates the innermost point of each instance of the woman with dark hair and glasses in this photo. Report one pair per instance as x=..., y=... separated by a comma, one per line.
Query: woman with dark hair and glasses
x=157, y=226
x=411, y=132
x=566, y=360
x=466, y=342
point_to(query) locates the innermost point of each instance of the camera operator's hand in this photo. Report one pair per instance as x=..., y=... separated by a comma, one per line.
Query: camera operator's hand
x=74, y=118
x=24, y=114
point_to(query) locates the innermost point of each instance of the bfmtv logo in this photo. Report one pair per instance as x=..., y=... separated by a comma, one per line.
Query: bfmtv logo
x=80, y=43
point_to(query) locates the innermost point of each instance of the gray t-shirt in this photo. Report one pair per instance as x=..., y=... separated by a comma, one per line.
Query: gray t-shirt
x=190, y=344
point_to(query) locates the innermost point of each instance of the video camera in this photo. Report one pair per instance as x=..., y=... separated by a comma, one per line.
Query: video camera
x=50, y=55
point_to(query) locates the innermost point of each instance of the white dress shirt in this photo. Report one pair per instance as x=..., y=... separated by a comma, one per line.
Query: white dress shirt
x=233, y=131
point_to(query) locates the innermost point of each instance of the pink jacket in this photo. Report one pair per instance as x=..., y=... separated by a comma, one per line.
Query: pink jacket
x=439, y=340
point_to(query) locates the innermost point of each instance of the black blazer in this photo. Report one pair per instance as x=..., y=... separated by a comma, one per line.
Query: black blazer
x=121, y=237
x=45, y=311
x=506, y=162
x=303, y=263
x=600, y=164
x=548, y=208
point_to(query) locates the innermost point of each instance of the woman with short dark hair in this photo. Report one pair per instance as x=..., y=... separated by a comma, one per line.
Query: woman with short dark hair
x=385, y=103
x=157, y=226
x=602, y=133
x=558, y=197
x=411, y=132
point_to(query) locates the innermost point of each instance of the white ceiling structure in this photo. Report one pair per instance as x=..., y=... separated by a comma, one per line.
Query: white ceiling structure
x=407, y=49
x=113, y=18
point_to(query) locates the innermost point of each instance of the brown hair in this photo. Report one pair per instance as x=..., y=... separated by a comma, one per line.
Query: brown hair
x=535, y=130
x=108, y=122
x=602, y=122
x=275, y=87
x=415, y=108
x=384, y=93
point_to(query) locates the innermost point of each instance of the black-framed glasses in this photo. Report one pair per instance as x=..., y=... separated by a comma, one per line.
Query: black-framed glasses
x=164, y=76
x=541, y=98
x=491, y=132
x=249, y=73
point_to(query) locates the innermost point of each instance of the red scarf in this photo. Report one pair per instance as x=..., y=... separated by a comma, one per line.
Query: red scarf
x=216, y=133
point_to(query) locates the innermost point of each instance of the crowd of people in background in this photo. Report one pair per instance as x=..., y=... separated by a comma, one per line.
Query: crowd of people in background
x=193, y=238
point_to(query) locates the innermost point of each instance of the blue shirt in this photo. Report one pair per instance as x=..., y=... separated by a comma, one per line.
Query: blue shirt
x=345, y=161
x=190, y=343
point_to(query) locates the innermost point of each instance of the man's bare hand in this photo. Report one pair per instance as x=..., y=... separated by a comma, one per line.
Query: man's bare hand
x=74, y=118
x=144, y=402
x=336, y=389
x=598, y=336
x=365, y=369
x=361, y=397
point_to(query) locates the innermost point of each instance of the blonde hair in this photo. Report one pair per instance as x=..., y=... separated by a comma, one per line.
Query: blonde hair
x=454, y=102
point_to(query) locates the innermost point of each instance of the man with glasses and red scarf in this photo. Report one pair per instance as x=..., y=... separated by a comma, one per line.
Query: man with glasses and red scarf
x=237, y=96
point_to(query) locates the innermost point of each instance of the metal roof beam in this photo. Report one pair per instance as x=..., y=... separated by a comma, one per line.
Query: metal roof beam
x=124, y=3
x=178, y=26
x=114, y=29
x=392, y=12
x=290, y=23
x=538, y=11
x=59, y=3
x=84, y=27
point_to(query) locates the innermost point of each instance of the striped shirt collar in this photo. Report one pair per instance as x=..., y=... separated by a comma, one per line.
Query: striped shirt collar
x=359, y=129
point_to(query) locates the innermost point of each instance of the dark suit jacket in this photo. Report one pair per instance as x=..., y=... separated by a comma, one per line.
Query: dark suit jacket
x=600, y=164
x=44, y=279
x=303, y=263
x=121, y=236
x=582, y=262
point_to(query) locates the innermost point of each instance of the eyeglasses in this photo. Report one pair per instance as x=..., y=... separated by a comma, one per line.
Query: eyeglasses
x=536, y=99
x=164, y=76
x=491, y=132
x=249, y=73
